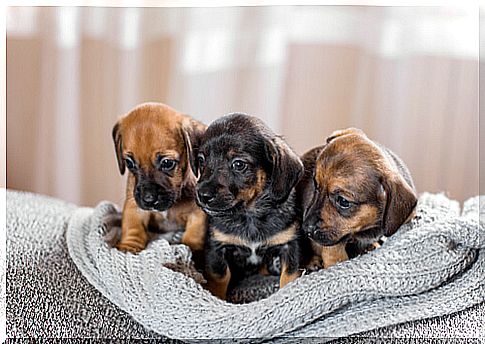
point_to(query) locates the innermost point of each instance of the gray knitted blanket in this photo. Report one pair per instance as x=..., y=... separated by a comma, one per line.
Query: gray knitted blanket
x=431, y=267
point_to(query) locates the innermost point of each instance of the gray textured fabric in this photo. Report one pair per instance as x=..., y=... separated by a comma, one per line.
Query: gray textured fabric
x=432, y=267
x=48, y=297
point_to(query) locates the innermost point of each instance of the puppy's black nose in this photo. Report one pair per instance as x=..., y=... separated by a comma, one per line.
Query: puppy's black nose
x=309, y=230
x=311, y=226
x=205, y=196
x=150, y=198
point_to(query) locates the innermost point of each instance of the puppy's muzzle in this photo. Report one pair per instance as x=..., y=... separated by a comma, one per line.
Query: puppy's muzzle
x=210, y=198
x=151, y=196
x=206, y=197
x=316, y=231
x=321, y=236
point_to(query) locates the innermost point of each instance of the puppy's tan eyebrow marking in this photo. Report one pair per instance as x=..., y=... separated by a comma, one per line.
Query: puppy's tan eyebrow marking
x=168, y=154
x=231, y=153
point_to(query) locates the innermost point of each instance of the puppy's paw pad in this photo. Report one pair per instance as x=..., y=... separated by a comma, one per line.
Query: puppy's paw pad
x=315, y=264
x=130, y=247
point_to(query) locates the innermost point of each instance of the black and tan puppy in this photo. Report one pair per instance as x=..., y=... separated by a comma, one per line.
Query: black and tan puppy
x=246, y=186
x=353, y=192
x=155, y=142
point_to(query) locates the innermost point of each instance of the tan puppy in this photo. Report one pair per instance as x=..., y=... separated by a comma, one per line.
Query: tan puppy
x=354, y=191
x=154, y=142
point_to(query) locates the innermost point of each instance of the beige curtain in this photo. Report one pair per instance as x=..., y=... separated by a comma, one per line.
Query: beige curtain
x=408, y=76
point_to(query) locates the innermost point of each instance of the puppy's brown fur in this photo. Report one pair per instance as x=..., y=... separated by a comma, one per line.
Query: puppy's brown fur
x=354, y=191
x=153, y=136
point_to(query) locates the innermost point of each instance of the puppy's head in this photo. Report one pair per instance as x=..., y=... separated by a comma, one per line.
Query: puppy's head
x=357, y=191
x=241, y=160
x=154, y=142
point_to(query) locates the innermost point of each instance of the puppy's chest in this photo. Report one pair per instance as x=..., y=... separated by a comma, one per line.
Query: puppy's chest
x=251, y=245
x=251, y=254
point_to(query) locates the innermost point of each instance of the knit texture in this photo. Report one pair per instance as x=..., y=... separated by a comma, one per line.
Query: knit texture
x=47, y=296
x=431, y=267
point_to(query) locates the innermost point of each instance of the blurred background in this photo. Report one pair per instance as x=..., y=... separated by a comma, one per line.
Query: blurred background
x=408, y=76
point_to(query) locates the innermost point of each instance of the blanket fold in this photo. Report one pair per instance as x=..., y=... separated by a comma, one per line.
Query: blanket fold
x=431, y=267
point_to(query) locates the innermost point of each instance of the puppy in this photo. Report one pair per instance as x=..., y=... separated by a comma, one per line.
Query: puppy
x=155, y=142
x=246, y=187
x=353, y=192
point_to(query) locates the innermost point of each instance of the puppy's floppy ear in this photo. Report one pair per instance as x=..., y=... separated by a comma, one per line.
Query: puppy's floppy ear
x=343, y=132
x=401, y=201
x=287, y=168
x=306, y=187
x=192, y=132
x=118, y=147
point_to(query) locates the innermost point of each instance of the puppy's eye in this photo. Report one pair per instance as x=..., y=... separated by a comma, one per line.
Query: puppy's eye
x=167, y=164
x=239, y=165
x=201, y=159
x=130, y=164
x=343, y=202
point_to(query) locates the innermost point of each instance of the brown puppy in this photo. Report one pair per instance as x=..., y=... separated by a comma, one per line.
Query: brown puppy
x=353, y=192
x=154, y=142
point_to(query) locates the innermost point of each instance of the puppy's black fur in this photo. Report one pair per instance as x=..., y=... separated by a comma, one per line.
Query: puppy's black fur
x=246, y=187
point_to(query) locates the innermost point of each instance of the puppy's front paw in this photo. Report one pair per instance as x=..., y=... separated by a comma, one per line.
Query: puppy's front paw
x=274, y=268
x=131, y=246
x=373, y=246
x=112, y=220
x=315, y=264
x=112, y=228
